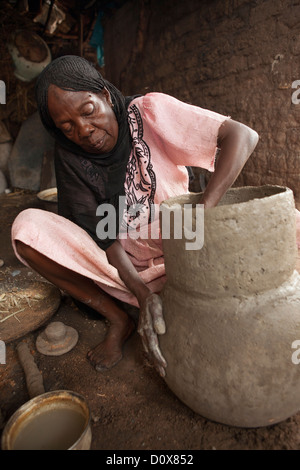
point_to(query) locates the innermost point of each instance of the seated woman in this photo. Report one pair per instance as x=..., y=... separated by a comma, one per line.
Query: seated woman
x=112, y=149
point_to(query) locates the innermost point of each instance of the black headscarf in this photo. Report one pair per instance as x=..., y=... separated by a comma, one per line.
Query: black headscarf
x=85, y=180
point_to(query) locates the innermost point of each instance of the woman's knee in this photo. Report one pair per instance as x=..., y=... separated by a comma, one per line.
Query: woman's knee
x=29, y=217
x=23, y=249
x=28, y=222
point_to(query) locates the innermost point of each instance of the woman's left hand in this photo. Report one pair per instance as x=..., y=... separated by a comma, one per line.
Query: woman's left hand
x=151, y=324
x=236, y=143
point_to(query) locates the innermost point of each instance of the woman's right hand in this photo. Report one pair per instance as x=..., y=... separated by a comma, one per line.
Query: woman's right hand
x=151, y=321
x=151, y=324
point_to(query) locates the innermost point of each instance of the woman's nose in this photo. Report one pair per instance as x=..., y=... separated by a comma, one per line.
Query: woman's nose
x=85, y=130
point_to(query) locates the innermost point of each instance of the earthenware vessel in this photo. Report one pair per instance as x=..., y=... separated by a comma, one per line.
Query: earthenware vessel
x=232, y=309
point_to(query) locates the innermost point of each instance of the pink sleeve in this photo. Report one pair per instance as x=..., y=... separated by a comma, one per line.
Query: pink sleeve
x=186, y=133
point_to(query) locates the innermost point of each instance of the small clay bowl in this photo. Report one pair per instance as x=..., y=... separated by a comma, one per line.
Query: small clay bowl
x=49, y=199
x=57, y=420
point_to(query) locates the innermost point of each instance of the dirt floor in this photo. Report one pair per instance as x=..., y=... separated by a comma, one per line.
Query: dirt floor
x=131, y=406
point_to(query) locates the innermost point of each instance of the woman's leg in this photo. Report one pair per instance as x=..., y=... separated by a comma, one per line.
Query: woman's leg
x=109, y=352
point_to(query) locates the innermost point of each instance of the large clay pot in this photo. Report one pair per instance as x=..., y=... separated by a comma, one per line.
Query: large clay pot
x=232, y=310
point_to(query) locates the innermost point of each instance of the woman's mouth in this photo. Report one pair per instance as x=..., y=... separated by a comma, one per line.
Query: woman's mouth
x=98, y=144
x=102, y=145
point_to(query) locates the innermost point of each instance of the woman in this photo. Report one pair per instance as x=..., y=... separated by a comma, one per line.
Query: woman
x=112, y=149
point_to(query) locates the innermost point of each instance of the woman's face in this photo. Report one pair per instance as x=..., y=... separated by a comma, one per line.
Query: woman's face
x=85, y=118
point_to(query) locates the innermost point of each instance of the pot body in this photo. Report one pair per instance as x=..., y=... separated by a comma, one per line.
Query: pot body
x=232, y=310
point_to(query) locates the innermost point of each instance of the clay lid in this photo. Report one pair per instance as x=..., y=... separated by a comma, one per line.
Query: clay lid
x=56, y=339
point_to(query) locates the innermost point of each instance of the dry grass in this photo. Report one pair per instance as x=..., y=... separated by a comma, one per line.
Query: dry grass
x=15, y=302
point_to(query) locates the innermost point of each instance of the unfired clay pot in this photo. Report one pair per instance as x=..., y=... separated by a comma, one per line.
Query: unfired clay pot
x=232, y=310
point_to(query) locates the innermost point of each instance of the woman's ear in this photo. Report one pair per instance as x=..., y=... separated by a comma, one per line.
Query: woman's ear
x=107, y=96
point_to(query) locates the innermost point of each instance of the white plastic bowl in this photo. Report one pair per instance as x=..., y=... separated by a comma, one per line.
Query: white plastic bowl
x=30, y=54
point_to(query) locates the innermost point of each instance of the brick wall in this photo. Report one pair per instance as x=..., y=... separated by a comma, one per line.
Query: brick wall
x=236, y=57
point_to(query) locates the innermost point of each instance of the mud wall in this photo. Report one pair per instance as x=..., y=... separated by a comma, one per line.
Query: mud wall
x=237, y=57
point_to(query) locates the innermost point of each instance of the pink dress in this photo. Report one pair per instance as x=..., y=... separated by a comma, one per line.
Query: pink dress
x=167, y=136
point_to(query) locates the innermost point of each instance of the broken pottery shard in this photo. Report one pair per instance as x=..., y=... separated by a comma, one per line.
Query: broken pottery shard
x=3, y=183
x=232, y=310
x=25, y=160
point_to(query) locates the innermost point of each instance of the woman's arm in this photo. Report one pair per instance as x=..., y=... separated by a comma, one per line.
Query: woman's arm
x=236, y=142
x=151, y=322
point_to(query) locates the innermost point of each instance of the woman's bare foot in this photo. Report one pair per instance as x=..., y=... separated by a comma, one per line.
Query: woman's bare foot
x=109, y=352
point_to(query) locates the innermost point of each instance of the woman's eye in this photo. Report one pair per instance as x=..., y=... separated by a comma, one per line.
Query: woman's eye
x=88, y=110
x=67, y=130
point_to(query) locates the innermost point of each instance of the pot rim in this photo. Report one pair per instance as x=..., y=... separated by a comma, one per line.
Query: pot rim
x=280, y=191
